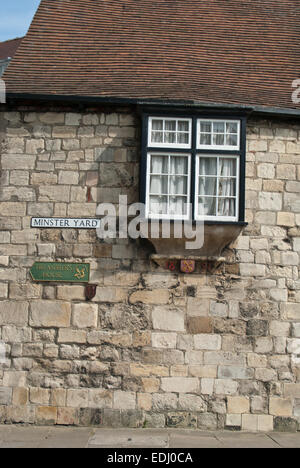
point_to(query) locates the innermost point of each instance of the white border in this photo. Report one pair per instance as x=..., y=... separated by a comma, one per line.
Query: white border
x=217, y=218
x=218, y=147
x=168, y=216
x=169, y=145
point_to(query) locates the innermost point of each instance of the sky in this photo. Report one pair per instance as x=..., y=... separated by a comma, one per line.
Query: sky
x=15, y=17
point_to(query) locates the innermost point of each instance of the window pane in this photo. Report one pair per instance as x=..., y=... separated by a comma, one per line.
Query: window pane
x=157, y=137
x=207, y=206
x=157, y=124
x=227, y=207
x=183, y=126
x=231, y=127
x=205, y=139
x=178, y=185
x=178, y=205
x=208, y=166
x=169, y=137
x=205, y=127
x=158, y=205
x=179, y=165
x=227, y=167
x=208, y=186
x=159, y=165
x=218, y=139
x=227, y=187
x=231, y=140
x=159, y=185
x=183, y=138
x=170, y=125
x=219, y=127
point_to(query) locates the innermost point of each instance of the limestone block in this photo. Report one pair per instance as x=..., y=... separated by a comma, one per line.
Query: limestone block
x=40, y=396
x=5, y=395
x=192, y=403
x=50, y=314
x=249, y=422
x=281, y=407
x=124, y=400
x=233, y=420
x=78, y=398
x=180, y=384
x=157, y=296
x=65, y=335
x=271, y=201
x=99, y=398
x=207, y=386
x=207, y=342
x=164, y=402
x=164, y=340
x=13, y=313
x=279, y=328
x=46, y=415
x=85, y=315
x=168, y=319
x=225, y=387
x=238, y=405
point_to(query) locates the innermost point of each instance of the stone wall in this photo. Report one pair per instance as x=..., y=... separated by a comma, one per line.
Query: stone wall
x=153, y=348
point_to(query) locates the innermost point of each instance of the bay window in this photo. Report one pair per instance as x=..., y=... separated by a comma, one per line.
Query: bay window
x=193, y=168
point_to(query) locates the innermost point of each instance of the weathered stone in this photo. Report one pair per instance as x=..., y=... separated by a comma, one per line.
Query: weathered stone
x=50, y=314
x=180, y=384
x=85, y=315
x=168, y=319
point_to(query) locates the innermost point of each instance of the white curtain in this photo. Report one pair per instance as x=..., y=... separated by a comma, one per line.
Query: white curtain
x=170, y=190
x=227, y=187
x=207, y=186
x=209, y=174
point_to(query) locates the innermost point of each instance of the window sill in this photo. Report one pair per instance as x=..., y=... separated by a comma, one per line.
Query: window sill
x=217, y=236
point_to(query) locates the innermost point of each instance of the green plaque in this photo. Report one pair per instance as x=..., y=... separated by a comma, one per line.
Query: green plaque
x=61, y=272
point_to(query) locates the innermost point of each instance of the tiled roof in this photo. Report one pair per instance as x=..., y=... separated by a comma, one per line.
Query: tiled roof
x=8, y=48
x=221, y=51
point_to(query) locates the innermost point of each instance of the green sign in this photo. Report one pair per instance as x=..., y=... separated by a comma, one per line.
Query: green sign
x=61, y=272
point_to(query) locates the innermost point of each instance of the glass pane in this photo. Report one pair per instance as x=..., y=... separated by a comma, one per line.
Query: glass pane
x=218, y=139
x=207, y=186
x=208, y=166
x=178, y=205
x=219, y=127
x=169, y=137
x=231, y=127
x=205, y=139
x=205, y=127
x=178, y=185
x=207, y=206
x=179, y=165
x=158, y=205
x=183, y=138
x=231, y=140
x=170, y=125
x=183, y=126
x=157, y=137
x=159, y=185
x=227, y=187
x=227, y=207
x=227, y=167
x=157, y=124
x=159, y=165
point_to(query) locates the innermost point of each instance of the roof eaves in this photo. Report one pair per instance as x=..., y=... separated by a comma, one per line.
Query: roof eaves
x=249, y=109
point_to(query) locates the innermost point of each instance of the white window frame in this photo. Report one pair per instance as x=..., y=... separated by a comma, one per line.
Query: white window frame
x=188, y=196
x=169, y=145
x=219, y=147
x=197, y=195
